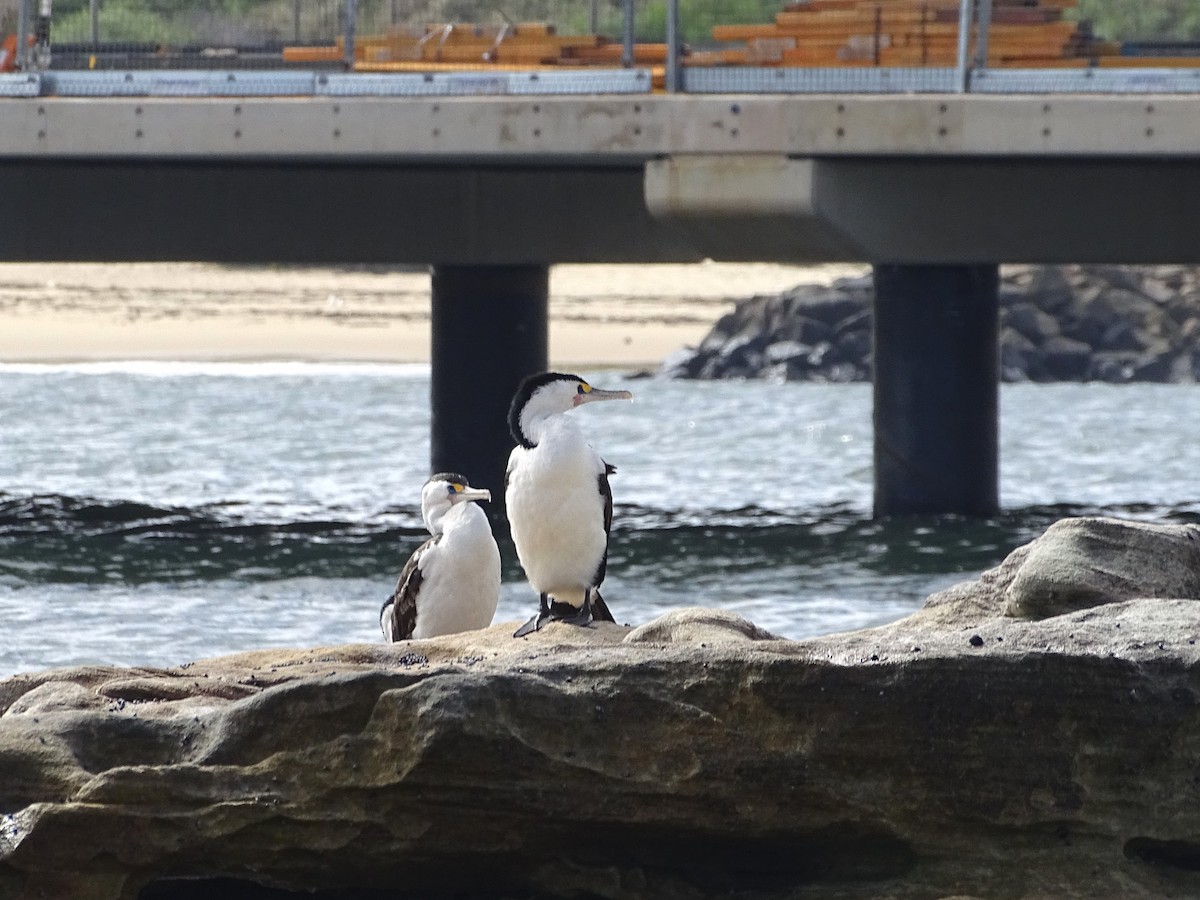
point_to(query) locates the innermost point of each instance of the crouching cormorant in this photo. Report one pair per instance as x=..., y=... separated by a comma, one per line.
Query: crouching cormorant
x=451, y=582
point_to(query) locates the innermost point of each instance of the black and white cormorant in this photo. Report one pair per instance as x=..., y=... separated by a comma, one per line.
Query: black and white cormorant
x=451, y=582
x=559, y=500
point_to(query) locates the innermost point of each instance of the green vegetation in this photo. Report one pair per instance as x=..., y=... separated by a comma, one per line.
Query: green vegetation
x=120, y=21
x=697, y=17
x=1127, y=20
x=177, y=22
x=254, y=21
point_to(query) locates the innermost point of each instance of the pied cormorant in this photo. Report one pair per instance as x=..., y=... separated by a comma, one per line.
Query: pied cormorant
x=451, y=582
x=559, y=500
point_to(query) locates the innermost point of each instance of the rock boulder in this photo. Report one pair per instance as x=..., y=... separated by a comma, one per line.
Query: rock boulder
x=1057, y=323
x=959, y=751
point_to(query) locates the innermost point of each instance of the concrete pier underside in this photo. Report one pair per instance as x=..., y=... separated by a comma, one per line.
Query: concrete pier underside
x=682, y=209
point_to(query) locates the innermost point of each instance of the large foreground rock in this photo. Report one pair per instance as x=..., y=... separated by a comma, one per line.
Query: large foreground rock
x=961, y=751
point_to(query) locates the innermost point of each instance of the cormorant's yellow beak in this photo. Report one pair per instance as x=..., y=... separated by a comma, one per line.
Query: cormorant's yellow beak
x=464, y=494
x=590, y=394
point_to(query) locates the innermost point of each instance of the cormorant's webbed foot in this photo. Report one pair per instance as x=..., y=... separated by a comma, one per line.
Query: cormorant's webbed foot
x=583, y=617
x=532, y=625
x=554, y=611
x=535, y=623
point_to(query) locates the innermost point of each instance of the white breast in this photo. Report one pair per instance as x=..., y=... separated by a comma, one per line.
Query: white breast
x=460, y=576
x=556, y=512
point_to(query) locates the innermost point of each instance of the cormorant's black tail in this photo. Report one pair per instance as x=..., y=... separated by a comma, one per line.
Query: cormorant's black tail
x=600, y=611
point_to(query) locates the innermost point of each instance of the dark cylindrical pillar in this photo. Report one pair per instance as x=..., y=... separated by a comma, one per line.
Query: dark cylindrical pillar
x=489, y=332
x=936, y=389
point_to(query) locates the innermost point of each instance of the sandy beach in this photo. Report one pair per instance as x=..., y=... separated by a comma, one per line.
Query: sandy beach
x=600, y=315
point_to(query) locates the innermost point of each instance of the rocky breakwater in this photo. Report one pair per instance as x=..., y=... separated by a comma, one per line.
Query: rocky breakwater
x=1057, y=323
x=1032, y=733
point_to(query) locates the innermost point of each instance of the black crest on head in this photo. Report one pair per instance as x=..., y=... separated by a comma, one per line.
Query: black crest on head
x=521, y=397
x=452, y=477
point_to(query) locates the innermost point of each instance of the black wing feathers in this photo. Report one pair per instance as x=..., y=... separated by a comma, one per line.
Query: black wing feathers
x=404, y=598
x=606, y=493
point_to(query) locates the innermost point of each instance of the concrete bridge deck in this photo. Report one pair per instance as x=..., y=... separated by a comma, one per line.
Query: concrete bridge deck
x=600, y=128
x=501, y=180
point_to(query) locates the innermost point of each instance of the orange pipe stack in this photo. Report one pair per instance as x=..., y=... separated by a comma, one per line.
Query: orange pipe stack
x=911, y=33
x=463, y=45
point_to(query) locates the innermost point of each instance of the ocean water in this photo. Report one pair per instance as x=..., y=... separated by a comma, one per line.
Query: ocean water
x=155, y=513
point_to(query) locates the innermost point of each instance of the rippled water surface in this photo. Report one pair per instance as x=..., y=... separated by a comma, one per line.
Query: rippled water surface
x=156, y=513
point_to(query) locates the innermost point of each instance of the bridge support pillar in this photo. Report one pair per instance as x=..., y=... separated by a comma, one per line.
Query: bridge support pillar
x=489, y=331
x=936, y=384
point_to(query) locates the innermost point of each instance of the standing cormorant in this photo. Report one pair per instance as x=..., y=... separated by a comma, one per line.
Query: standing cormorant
x=559, y=500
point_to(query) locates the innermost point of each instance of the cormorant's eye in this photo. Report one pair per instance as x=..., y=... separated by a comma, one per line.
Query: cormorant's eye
x=583, y=388
x=456, y=488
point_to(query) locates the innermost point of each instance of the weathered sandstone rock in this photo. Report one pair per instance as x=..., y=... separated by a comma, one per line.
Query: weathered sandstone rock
x=1079, y=563
x=957, y=752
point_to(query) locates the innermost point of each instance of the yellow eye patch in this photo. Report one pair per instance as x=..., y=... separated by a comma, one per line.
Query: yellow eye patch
x=585, y=387
x=456, y=487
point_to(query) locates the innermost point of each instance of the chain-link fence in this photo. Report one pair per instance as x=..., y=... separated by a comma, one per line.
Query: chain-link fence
x=701, y=45
x=362, y=34
x=246, y=23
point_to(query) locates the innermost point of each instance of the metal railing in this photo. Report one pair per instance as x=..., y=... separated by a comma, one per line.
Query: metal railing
x=697, y=46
